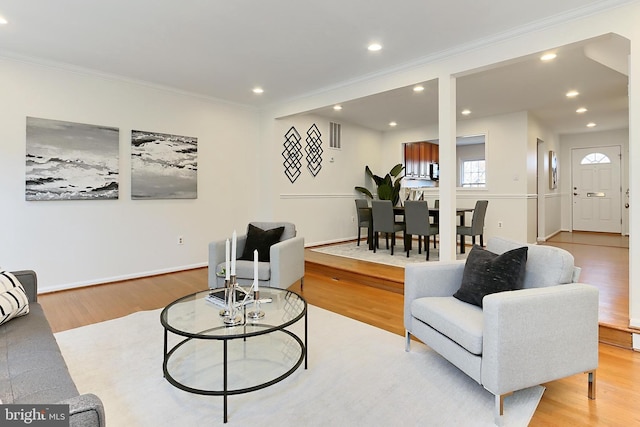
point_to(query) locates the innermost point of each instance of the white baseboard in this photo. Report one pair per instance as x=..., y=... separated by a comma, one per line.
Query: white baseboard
x=104, y=280
x=328, y=242
x=636, y=342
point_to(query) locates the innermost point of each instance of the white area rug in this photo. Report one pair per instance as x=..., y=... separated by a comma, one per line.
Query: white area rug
x=358, y=375
x=382, y=255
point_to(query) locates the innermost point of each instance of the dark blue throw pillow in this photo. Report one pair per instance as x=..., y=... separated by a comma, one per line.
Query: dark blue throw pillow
x=487, y=273
x=261, y=240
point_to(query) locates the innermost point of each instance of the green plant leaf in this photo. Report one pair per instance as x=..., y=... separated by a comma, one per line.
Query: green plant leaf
x=364, y=191
x=385, y=192
x=395, y=171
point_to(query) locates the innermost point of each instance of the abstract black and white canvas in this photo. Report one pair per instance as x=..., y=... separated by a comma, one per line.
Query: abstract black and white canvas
x=163, y=166
x=70, y=161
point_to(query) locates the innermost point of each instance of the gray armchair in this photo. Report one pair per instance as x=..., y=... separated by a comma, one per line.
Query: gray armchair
x=517, y=339
x=285, y=267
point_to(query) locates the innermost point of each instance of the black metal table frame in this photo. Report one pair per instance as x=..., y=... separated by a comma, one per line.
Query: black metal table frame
x=225, y=392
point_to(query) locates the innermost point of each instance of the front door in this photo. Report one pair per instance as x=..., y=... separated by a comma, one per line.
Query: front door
x=596, y=189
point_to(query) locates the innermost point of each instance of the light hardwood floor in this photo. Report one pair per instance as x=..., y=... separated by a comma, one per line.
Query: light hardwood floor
x=564, y=402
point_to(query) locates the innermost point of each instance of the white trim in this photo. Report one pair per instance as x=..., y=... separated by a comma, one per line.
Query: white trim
x=492, y=40
x=329, y=242
x=11, y=56
x=636, y=341
x=319, y=196
x=105, y=280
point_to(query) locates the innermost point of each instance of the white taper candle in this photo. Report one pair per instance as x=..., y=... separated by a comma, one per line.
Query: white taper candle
x=255, y=270
x=233, y=253
x=227, y=256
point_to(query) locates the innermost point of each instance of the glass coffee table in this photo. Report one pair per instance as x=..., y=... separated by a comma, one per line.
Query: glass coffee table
x=203, y=355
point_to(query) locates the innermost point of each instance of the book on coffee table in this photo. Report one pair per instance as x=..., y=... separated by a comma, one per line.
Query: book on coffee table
x=216, y=297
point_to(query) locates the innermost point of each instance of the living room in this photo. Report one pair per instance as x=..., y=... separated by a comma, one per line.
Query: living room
x=77, y=243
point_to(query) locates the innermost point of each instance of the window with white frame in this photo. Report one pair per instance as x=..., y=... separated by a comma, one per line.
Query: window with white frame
x=473, y=173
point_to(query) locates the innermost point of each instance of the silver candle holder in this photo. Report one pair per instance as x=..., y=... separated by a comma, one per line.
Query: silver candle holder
x=256, y=313
x=230, y=314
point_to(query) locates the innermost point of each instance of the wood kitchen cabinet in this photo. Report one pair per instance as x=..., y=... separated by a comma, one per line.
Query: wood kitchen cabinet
x=417, y=158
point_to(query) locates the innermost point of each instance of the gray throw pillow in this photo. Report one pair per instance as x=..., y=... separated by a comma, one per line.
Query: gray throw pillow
x=487, y=273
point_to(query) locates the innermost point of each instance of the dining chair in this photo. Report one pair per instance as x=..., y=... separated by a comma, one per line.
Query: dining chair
x=364, y=216
x=416, y=217
x=436, y=219
x=384, y=222
x=477, y=225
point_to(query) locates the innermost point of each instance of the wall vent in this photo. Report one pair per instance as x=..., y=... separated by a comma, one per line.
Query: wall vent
x=334, y=135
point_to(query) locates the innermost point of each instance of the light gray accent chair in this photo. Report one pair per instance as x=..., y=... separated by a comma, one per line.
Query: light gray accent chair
x=477, y=225
x=518, y=339
x=286, y=265
x=416, y=217
x=364, y=217
x=384, y=222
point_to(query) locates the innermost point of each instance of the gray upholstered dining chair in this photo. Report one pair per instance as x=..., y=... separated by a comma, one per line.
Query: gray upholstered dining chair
x=384, y=222
x=477, y=225
x=364, y=216
x=416, y=218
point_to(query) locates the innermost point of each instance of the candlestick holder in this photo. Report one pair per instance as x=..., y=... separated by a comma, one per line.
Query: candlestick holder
x=225, y=311
x=256, y=313
x=230, y=314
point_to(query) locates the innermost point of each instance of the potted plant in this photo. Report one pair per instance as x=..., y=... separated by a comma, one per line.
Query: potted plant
x=388, y=188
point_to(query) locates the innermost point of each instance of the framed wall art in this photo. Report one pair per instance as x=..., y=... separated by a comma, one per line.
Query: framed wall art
x=553, y=170
x=163, y=166
x=70, y=161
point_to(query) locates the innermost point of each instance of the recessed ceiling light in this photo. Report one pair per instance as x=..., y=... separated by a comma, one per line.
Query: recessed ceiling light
x=392, y=124
x=258, y=90
x=591, y=125
x=374, y=47
x=337, y=107
x=548, y=56
x=3, y=21
x=418, y=88
x=572, y=94
x=581, y=110
x=465, y=112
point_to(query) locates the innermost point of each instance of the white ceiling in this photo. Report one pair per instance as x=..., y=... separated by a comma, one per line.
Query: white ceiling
x=291, y=48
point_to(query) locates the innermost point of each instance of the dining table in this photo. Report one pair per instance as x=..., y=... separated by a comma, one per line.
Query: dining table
x=433, y=213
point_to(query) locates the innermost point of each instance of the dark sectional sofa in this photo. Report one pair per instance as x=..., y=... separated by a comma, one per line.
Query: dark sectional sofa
x=32, y=369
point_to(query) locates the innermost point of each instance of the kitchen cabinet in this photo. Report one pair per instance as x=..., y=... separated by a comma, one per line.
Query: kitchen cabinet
x=418, y=156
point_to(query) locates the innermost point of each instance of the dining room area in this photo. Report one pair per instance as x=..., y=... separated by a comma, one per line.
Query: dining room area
x=416, y=221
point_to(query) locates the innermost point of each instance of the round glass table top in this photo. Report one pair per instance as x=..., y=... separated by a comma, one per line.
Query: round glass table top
x=196, y=316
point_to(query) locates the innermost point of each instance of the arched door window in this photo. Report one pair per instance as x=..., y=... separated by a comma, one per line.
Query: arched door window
x=595, y=158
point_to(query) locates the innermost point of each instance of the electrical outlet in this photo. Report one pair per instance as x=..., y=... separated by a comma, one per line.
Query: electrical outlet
x=353, y=218
x=180, y=240
x=499, y=224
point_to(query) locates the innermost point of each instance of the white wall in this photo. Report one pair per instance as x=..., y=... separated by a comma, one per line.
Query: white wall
x=506, y=156
x=618, y=137
x=73, y=243
x=322, y=207
x=548, y=212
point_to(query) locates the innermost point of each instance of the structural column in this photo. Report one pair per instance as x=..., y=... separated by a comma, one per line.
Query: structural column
x=634, y=185
x=448, y=167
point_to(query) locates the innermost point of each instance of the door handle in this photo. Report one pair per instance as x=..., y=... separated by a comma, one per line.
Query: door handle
x=595, y=194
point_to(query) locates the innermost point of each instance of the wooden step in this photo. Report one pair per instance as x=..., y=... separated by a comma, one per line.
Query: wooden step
x=391, y=278
x=615, y=335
